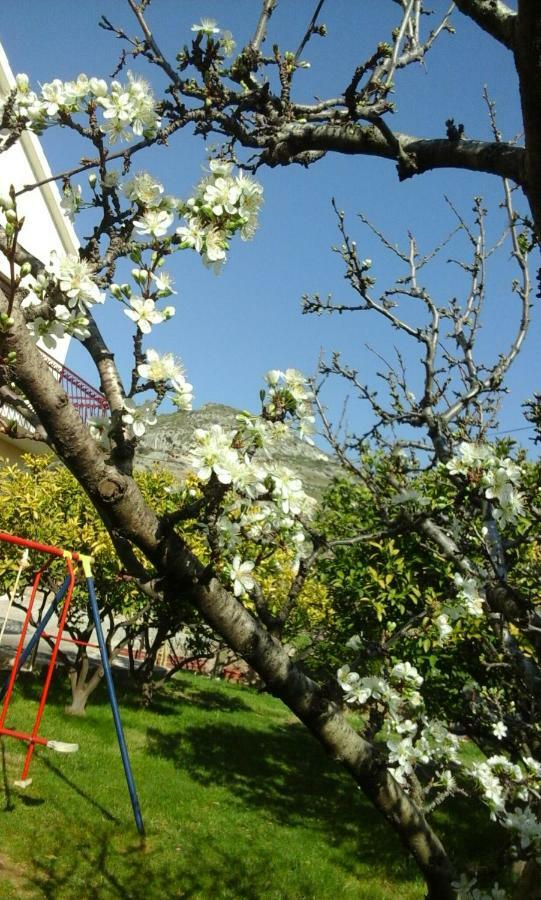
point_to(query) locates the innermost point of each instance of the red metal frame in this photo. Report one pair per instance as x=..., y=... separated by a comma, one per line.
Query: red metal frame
x=33, y=737
x=86, y=399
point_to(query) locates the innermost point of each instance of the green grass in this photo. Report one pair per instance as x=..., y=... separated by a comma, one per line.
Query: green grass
x=238, y=800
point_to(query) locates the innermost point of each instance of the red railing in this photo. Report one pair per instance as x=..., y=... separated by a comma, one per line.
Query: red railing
x=87, y=400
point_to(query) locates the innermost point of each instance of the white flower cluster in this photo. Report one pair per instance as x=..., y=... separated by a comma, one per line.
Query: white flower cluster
x=410, y=737
x=129, y=105
x=166, y=370
x=289, y=393
x=73, y=277
x=27, y=106
x=143, y=189
x=162, y=371
x=128, y=109
x=141, y=308
x=469, y=600
x=498, y=476
x=264, y=499
x=139, y=418
x=222, y=204
x=510, y=790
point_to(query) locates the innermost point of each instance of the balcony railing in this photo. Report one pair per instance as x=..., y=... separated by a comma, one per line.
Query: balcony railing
x=87, y=400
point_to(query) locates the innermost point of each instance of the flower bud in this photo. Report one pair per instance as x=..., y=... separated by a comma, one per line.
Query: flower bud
x=23, y=82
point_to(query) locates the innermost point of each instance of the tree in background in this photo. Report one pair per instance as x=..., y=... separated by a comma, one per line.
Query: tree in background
x=42, y=501
x=404, y=760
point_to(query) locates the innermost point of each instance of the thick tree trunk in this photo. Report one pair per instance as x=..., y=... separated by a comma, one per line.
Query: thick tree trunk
x=79, y=698
x=82, y=687
x=124, y=510
x=528, y=63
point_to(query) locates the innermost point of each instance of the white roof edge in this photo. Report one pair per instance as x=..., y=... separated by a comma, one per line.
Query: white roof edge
x=40, y=168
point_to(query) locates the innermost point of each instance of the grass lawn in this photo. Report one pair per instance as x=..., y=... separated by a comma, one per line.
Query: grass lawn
x=238, y=802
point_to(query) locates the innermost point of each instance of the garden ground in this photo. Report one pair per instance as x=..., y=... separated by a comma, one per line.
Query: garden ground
x=238, y=802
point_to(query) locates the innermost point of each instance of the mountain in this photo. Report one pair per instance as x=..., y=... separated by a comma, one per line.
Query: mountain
x=167, y=442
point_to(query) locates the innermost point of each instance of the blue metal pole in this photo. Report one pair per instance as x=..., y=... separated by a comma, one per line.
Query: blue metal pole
x=39, y=630
x=114, y=706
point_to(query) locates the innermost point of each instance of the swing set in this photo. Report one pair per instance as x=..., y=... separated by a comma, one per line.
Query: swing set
x=60, y=604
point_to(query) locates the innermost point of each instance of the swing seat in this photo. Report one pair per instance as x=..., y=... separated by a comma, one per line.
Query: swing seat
x=23, y=784
x=62, y=747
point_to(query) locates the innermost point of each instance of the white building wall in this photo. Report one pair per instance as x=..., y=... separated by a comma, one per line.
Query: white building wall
x=46, y=226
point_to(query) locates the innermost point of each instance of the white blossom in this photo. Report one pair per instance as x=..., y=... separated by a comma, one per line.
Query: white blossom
x=162, y=368
x=207, y=27
x=71, y=200
x=406, y=672
x=469, y=598
x=143, y=189
x=499, y=730
x=144, y=314
x=241, y=577
x=99, y=429
x=164, y=283
x=49, y=332
x=154, y=221
x=443, y=626
x=74, y=277
x=138, y=418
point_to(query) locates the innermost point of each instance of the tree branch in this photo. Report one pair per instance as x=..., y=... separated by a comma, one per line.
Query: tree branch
x=494, y=17
x=267, y=10
x=291, y=141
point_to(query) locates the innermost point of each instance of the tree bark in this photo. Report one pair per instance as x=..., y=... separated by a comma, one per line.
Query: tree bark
x=118, y=500
x=494, y=17
x=528, y=64
x=82, y=687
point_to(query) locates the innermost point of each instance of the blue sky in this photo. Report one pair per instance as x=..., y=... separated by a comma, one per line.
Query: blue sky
x=230, y=329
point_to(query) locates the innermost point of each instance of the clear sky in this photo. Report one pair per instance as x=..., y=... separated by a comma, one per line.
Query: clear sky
x=230, y=329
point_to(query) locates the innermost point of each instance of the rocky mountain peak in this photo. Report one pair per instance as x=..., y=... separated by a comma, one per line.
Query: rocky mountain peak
x=166, y=444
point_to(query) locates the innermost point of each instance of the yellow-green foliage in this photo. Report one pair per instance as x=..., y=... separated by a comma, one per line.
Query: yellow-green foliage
x=42, y=501
x=313, y=605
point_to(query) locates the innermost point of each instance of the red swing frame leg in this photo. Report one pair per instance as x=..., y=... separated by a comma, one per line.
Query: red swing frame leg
x=50, y=670
x=20, y=646
x=33, y=738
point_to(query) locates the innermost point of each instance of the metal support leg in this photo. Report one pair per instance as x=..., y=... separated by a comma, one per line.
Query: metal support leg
x=114, y=706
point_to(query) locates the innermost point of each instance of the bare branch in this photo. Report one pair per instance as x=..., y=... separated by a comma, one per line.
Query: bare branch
x=267, y=9
x=310, y=30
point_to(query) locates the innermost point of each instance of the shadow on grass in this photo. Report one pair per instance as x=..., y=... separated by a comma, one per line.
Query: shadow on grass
x=213, y=700
x=470, y=837
x=100, y=870
x=9, y=805
x=165, y=702
x=72, y=785
x=284, y=774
